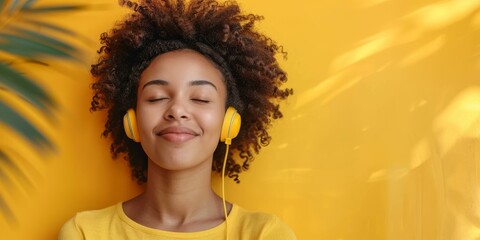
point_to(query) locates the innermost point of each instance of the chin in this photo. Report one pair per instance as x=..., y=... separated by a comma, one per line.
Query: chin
x=179, y=163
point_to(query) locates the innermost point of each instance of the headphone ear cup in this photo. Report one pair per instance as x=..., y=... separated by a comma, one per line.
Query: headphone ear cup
x=130, y=125
x=231, y=125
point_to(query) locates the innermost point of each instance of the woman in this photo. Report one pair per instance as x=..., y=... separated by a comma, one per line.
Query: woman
x=174, y=76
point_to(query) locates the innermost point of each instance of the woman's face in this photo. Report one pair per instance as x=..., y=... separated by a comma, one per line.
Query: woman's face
x=180, y=109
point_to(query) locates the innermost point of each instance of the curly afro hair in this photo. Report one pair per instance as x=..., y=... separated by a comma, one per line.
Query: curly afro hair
x=220, y=32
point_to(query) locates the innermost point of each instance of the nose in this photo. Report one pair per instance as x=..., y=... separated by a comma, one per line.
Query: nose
x=177, y=111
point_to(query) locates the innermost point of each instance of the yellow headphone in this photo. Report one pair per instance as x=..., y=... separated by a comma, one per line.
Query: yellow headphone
x=230, y=128
x=130, y=125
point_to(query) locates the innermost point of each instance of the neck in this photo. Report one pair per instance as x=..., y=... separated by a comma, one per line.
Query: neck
x=177, y=198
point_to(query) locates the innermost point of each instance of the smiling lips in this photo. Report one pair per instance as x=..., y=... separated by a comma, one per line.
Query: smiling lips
x=177, y=134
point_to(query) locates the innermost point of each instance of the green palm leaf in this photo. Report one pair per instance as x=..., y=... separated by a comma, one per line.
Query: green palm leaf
x=50, y=26
x=28, y=3
x=28, y=46
x=14, y=81
x=20, y=40
x=13, y=6
x=54, y=8
x=41, y=38
x=8, y=181
x=23, y=126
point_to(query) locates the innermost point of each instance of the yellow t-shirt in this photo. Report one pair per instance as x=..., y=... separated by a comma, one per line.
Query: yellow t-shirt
x=113, y=223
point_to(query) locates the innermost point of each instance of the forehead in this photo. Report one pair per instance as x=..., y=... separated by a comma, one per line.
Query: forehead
x=180, y=67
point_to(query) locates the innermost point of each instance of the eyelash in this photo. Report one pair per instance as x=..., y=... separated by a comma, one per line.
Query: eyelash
x=200, y=100
x=194, y=99
x=156, y=99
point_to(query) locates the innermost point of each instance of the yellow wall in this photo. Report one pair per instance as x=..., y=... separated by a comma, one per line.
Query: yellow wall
x=380, y=141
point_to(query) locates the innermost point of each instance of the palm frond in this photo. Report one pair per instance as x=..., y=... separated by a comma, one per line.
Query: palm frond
x=50, y=26
x=50, y=9
x=5, y=210
x=13, y=119
x=9, y=163
x=25, y=87
x=21, y=40
x=42, y=38
x=6, y=180
x=29, y=46
x=28, y=3
x=13, y=5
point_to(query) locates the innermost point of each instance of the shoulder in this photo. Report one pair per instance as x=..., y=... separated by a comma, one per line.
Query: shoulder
x=93, y=220
x=261, y=225
x=95, y=217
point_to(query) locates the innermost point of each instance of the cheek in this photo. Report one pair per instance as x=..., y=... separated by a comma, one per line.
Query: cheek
x=213, y=121
x=146, y=119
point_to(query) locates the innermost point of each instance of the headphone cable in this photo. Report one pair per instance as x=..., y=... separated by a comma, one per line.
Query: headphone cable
x=223, y=189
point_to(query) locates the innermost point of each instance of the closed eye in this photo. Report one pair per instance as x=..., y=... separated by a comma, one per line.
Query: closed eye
x=156, y=99
x=200, y=100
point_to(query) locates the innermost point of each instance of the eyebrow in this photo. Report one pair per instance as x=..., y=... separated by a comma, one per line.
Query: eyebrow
x=202, y=82
x=192, y=83
x=155, y=82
